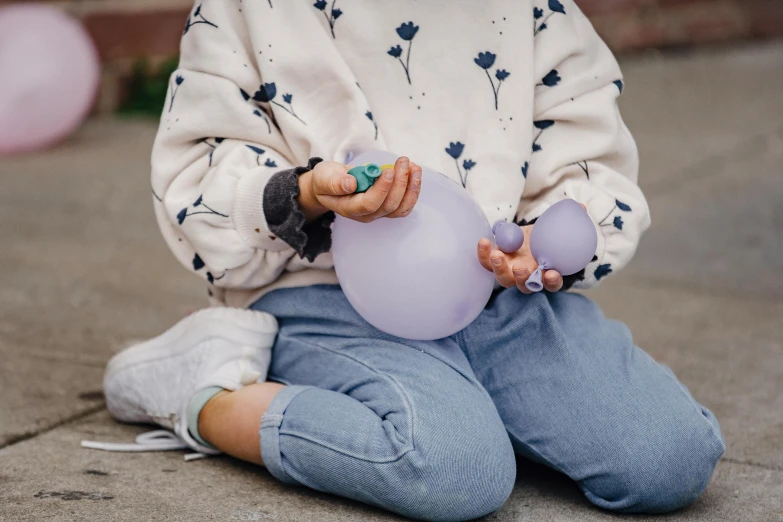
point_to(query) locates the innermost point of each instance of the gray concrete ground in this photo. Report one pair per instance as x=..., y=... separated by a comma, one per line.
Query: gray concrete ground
x=83, y=270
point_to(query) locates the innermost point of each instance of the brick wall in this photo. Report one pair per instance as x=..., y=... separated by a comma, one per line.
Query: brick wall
x=126, y=30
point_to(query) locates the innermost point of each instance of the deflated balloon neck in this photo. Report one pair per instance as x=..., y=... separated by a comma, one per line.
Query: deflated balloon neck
x=533, y=282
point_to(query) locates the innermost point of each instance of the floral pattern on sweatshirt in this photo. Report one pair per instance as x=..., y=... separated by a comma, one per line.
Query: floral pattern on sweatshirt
x=291, y=96
x=197, y=18
x=331, y=16
x=407, y=32
x=486, y=60
x=455, y=151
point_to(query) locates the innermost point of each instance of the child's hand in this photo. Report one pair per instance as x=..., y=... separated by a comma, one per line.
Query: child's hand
x=514, y=269
x=329, y=187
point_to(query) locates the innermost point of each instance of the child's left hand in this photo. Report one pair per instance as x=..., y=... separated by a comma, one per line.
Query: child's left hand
x=514, y=269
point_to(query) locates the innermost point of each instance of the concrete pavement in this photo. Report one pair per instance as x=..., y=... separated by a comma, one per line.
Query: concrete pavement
x=84, y=270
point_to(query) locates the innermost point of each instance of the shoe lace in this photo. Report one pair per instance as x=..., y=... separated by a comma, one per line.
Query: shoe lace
x=156, y=440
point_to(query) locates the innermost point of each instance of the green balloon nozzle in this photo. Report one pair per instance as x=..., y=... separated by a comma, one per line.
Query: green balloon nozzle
x=365, y=176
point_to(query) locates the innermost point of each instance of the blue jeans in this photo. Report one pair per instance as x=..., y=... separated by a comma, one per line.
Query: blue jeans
x=430, y=429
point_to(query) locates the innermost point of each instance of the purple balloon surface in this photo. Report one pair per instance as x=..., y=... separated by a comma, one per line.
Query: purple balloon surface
x=508, y=236
x=416, y=277
x=564, y=238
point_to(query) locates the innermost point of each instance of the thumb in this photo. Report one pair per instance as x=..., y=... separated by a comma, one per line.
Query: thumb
x=336, y=183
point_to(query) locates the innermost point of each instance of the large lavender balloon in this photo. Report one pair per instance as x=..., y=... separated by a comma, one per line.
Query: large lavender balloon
x=416, y=277
x=563, y=239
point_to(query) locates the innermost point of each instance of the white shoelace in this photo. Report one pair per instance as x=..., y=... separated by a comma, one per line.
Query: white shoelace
x=156, y=440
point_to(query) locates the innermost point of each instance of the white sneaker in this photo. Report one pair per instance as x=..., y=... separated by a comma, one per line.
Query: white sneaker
x=154, y=381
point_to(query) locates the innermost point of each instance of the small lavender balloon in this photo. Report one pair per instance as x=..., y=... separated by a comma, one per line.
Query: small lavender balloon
x=563, y=239
x=508, y=236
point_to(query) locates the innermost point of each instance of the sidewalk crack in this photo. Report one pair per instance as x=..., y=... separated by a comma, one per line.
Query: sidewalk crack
x=771, y=467
x=21, y=437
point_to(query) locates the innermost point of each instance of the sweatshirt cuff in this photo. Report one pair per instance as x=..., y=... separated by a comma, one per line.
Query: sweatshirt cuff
x=248, y=215
x=286, y=220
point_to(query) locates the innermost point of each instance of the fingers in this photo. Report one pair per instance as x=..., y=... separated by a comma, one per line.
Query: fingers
x=362, y=206
x=553, y=281
x=332, y=179
x=484, y=248
x=496, y=262
x=394, y=193
x=521, y=273
x=411, y=193
x=397, y=192
x=501, y=269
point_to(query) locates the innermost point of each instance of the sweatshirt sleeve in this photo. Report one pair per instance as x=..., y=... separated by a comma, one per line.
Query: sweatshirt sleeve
x=581, y=147
x=223, y=177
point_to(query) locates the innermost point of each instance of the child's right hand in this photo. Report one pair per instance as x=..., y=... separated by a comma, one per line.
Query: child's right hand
x=329, y=187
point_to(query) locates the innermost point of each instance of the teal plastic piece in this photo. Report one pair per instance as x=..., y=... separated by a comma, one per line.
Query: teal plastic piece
x=365, y=176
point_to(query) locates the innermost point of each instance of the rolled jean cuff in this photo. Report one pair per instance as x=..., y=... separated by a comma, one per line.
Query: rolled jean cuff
x=270, y=432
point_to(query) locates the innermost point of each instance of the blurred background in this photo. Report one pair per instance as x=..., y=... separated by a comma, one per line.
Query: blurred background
x=83, y=269
x=138, y=40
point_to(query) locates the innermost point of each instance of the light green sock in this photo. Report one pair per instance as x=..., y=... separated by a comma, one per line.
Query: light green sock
x=194, y=408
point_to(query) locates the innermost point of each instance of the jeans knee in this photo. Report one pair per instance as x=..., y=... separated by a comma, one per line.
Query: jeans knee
x=658, y=480
x=457, y=480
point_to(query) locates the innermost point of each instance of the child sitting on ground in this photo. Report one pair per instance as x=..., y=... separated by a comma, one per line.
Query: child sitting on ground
x=514, y=100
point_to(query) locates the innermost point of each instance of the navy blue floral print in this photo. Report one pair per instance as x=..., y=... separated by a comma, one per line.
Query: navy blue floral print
x=602, y=270
x=486, y=61
x=267, y=93
x=455, y=151
x=258, y=150
x=617, y=222
x=541, y=125
x=197, y=18
x=259, y=110
x=551, y=79
x=178, y=80
x=332, y=17
x=212, y=278
x=554, y=7
x=407, y=32
x=584, y=168
x=525, y=167
x=369, y=117
x=183, y=214
x=262, y=114
x=619, y=84
x=212, y=146
x=198, y=264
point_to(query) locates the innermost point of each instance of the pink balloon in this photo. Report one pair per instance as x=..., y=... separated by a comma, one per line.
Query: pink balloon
x=416, y=277
x=49, y=72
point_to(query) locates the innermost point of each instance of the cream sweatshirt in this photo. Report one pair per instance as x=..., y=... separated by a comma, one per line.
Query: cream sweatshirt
x=516, y=100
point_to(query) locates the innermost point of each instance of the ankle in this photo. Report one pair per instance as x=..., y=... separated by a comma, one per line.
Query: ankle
x=208, y=411
x=231, y=421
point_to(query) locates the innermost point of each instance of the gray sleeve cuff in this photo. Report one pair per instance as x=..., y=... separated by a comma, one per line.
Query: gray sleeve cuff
x=287, y=221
